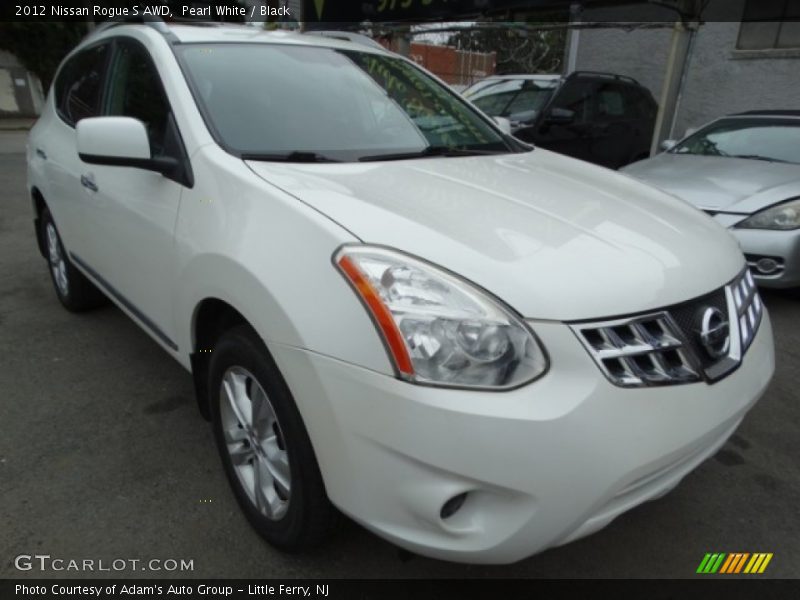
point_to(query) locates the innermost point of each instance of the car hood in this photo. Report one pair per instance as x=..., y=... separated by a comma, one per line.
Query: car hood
x=554, y=237
x=719, y=183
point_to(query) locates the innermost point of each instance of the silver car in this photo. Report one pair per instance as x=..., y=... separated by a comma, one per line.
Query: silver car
x=743, y=170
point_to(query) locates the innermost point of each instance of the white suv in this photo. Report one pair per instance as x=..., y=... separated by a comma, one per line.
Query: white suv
x=474, y=348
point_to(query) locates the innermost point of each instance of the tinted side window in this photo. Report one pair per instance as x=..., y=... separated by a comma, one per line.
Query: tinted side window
x=79, y=87
x=611, y=103
x=135, y=90
x=642, y=105
x=576, y=96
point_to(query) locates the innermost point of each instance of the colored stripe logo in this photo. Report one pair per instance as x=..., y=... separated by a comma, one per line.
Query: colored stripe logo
x=734, y=563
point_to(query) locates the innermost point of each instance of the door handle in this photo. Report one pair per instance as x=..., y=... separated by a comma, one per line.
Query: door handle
x=88, y=182
x=41, y=154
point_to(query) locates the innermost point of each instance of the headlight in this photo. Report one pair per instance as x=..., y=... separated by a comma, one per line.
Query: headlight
x=782, y=216
x=439, y=329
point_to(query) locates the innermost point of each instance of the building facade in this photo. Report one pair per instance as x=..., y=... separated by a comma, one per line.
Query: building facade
x=459, y=68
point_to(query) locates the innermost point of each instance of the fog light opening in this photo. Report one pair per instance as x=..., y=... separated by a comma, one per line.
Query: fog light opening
x=452, y=506
x=767, y=266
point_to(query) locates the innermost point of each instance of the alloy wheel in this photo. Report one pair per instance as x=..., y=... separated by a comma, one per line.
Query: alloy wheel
x=255, y=444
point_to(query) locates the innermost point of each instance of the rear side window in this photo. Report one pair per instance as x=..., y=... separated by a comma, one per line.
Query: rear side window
x=135, y=90
x=79, y=87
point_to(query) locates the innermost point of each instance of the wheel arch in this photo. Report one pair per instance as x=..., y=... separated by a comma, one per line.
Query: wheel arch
x=211, y=318
x=213, y=315
x=215, y=292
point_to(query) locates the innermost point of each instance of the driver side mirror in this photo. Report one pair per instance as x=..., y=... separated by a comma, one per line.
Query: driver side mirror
x=560, y=116
x=120, y=142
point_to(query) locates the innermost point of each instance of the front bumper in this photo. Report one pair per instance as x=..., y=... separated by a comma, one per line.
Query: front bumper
x=542, y=465
x=781, y=246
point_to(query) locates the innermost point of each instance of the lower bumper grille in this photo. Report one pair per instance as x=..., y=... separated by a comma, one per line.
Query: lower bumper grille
x=702, y=339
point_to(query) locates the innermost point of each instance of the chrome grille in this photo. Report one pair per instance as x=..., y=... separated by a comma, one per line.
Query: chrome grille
x=639, y=351
x=666, y=347
x=749, y=308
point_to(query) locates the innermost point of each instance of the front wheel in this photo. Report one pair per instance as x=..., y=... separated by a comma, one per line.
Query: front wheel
x=264, y=445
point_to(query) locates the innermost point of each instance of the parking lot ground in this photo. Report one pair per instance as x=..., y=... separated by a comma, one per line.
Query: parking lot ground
x=103, y=455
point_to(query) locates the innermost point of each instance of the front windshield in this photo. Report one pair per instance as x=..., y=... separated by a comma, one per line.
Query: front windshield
x=516, y=99
x=770, y=139
x=272, y=100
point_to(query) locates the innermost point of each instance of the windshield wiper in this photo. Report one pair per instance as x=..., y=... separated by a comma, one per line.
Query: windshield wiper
x=432, y=151
x=759, y=157
x=296, y=156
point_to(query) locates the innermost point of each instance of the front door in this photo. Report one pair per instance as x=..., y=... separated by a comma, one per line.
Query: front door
x=137, y=209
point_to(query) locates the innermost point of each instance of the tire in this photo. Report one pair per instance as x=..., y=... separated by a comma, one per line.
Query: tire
x=75, y=292
x=269, y=460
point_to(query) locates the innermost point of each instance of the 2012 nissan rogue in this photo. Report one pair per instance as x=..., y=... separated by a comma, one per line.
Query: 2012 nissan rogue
x=475, y=348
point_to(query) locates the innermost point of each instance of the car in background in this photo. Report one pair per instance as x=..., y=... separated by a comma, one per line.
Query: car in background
x=743, y=170
x=602, y=118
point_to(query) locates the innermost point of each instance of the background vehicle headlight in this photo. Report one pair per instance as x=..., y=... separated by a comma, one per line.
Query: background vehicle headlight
x=438, y=328
x=783, y=216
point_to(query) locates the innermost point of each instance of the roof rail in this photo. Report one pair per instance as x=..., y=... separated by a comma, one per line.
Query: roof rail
x=153, y=21
x=348, y=36
x=602, y=74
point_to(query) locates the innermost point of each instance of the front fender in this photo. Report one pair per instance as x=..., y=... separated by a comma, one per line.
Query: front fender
x=268, y=255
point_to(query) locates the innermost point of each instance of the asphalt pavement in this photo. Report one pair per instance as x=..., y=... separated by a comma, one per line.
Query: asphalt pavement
x=103, y=456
